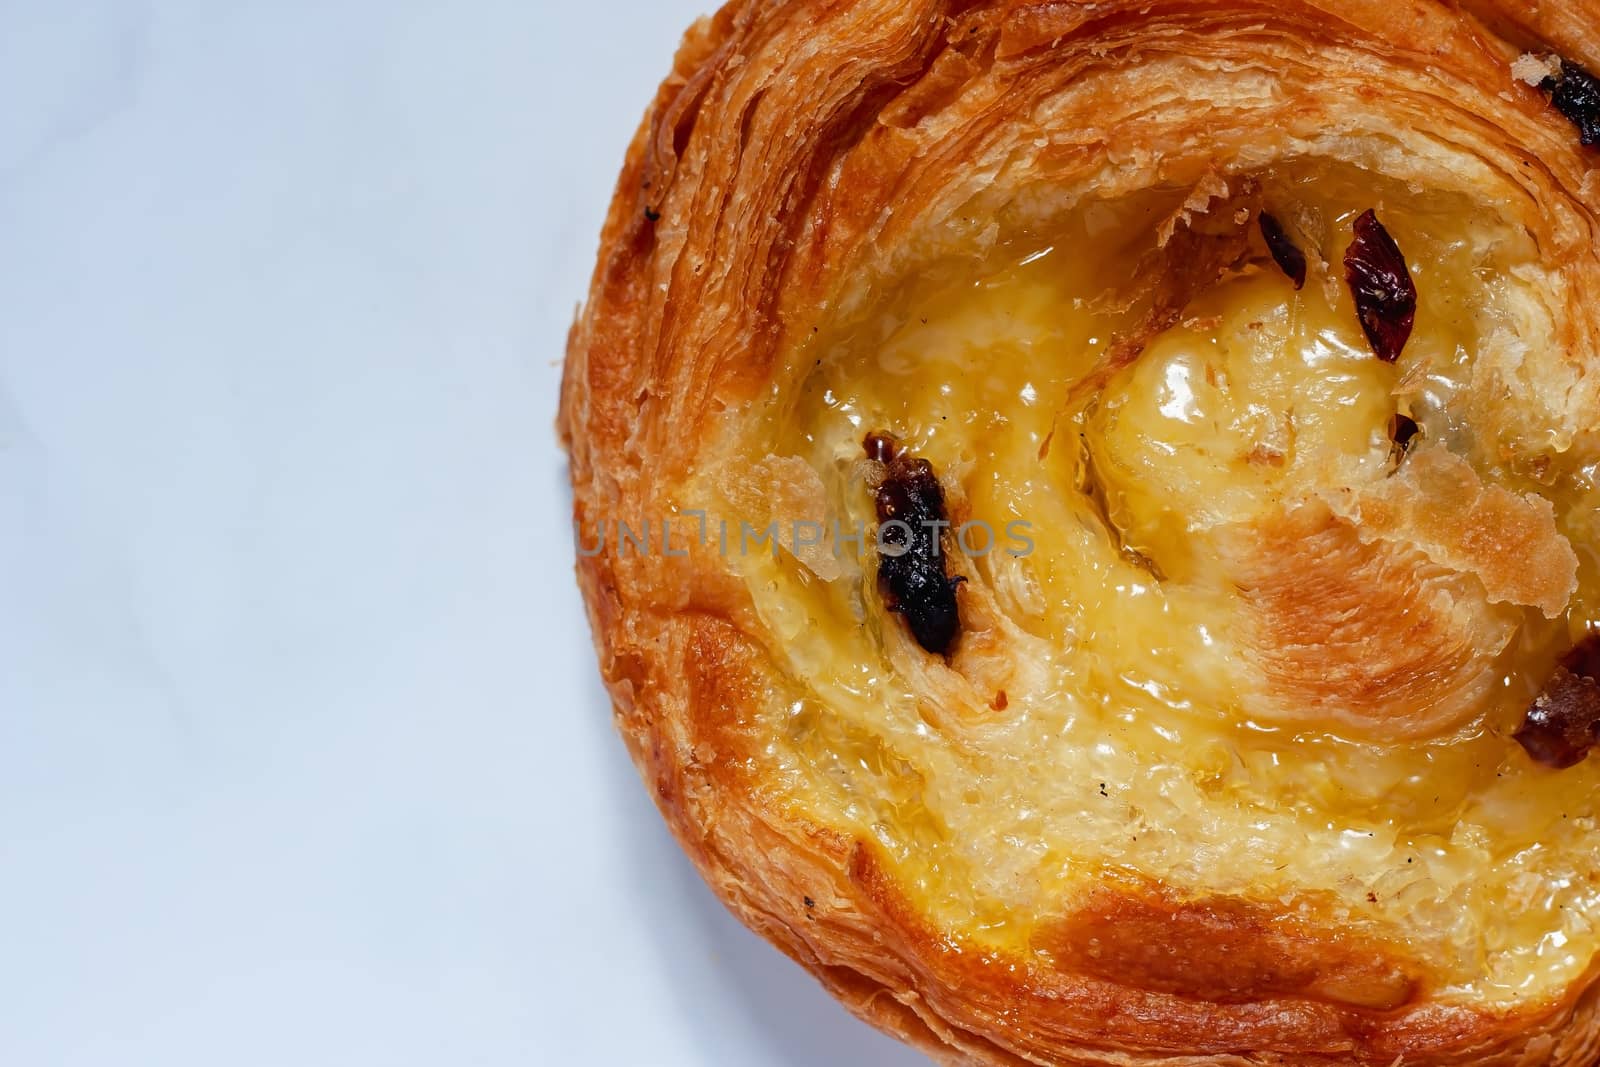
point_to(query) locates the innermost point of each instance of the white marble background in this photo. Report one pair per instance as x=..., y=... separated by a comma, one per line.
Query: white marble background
x=303, y=760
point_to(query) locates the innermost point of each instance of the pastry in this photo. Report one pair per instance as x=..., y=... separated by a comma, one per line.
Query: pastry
x=1088, y=512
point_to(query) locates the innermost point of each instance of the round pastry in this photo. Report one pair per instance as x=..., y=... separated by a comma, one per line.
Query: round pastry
x=1088, y=516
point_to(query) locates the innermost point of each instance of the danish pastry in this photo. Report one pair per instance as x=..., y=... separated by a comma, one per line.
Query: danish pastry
x=1088, y=513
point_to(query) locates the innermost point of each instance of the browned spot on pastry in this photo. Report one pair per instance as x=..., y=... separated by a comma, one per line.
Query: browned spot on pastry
x=1263, y=456
x=1000, y=701
x=1369, y=635
x=1386, y=297
x=1225, y=949
x=1021, y=995
x=1285, y=254
x=1563, y=722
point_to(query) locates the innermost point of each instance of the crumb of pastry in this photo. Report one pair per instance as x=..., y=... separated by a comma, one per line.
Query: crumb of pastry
x=1534, y=70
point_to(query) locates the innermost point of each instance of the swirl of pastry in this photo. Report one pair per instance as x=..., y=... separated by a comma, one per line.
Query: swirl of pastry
x=1088, y=513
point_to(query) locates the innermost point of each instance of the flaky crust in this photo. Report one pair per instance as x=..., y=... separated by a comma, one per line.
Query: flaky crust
x=798, y=152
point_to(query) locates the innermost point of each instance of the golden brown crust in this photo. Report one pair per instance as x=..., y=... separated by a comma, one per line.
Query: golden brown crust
x=801, y=152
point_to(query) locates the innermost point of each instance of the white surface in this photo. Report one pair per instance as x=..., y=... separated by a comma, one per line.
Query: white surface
x=303, y=759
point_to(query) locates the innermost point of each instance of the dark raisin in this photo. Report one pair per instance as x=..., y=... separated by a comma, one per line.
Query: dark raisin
x=881, y=446
x=911, y=565
x=1402, y=428
x=1386, y=298
x=652, y=214
x=1576, y=94
x=1563, y=722
x=1584, y=657
x=1289, y=259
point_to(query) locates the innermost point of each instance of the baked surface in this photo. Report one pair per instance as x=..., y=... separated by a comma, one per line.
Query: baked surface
x=1223, y=768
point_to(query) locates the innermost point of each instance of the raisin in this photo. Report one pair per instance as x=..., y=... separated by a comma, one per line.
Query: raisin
x=881, y=447
x=1576, y=94
x=1563, y=722
x=911, y=566
x=1386, y=298
x=1402, y=428
x=1289, y=259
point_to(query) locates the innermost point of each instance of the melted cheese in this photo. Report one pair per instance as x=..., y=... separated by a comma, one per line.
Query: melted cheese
x=1139, y=728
